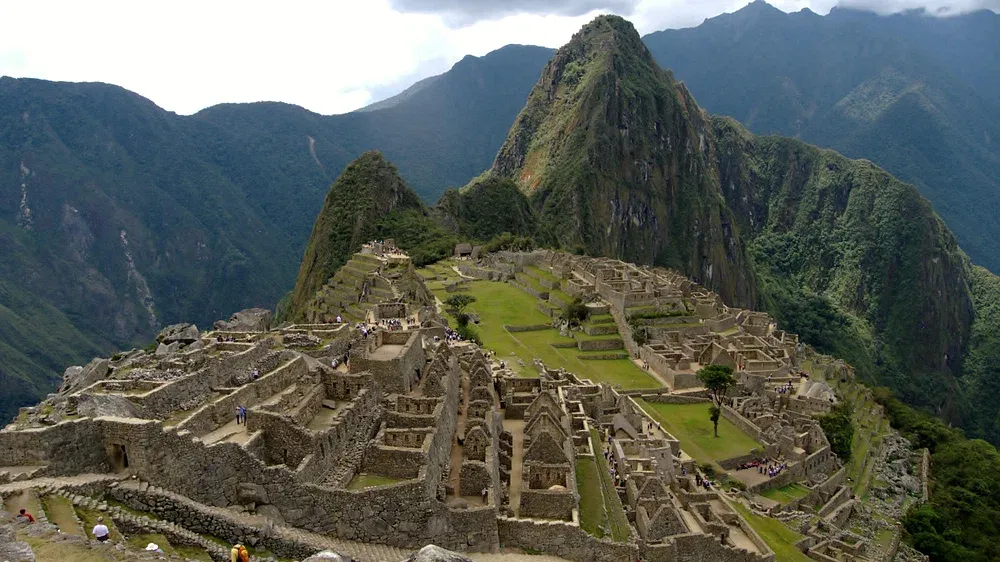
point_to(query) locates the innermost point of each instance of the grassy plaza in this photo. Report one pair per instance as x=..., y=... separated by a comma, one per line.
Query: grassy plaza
x=691, y=425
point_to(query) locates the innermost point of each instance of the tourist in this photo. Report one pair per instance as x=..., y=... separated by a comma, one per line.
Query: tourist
x=484, y=494
x=24, y=516
x=239, y=415
x=239, y=554
x=101, y=532
x=243, y=413
x=256, y=374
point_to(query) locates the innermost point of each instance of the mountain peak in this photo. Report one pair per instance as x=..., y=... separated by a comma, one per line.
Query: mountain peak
x=368, y=189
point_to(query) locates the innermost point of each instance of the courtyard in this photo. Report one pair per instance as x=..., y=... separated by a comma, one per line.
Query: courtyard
x=691, y=425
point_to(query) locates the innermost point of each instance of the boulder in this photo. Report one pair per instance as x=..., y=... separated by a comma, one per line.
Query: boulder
x=76, y=378
x=249, y=320
x=108, y=405
x=249, y=492
x=272, y=513
x=11, y=548
x=432, y=553
x=183, y=333
x=165, y=349
x=327, y=556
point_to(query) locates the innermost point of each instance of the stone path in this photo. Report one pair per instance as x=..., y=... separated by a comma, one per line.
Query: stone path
x=237, y=433
x=516, y=428
x=57, y=482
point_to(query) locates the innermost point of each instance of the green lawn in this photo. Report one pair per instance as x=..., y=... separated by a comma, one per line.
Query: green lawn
x=780, y=538
x=362, y=481
x=787, y=493
x=690, y=424
x=614, y=511
x=588, y=484
x=499, y=304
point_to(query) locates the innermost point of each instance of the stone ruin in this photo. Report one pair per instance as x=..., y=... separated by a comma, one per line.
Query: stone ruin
x=401, y=438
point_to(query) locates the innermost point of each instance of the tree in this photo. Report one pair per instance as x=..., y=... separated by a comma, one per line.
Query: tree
x=718, y=379
x=458, y=303
x=576, y=312
x=839, y=430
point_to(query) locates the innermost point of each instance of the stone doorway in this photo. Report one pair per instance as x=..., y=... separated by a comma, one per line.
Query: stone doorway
x=119, y=457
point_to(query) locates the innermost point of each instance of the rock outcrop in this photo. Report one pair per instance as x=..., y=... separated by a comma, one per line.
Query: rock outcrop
x=249, y=320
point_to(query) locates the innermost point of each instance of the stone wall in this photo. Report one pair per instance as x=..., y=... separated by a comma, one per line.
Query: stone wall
x=600, y=345
x=743, y=423
x=222, y=410
x=218, y=372
x=69, y=447
x=474, y=477
x=558, y=538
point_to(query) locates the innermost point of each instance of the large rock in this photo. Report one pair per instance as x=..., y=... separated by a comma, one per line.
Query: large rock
x=165, y=349
x=249, y=320
x=76, y=378
x=432, y=553
x=248, y=493
x=183, y=333
x=108, y=405
x=11, y=549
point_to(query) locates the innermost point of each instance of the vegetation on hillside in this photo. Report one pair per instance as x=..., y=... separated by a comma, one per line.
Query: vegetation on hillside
x=915, y=94
x=367, y=191
x=962, y=519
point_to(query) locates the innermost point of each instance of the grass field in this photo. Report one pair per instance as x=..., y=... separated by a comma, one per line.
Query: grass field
x=787, y=493
x=615, y=513
x=500, y=304
x=362, y=481
x=593, y=518
x=780, y=538
x=690, y=424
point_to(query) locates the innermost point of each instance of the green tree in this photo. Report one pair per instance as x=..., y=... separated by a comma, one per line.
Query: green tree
x=718, y=379
x=458, y=303
x=576, y=312
x=839, y=430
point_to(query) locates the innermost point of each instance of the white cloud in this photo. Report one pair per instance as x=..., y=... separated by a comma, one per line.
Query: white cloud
x=328, y=56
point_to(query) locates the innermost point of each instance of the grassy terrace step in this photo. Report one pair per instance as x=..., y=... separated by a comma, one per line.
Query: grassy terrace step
x=593, y=515
x=89, y=518
x=615, y=513
x=60, y=512
x=541, y=273
x=601, y=319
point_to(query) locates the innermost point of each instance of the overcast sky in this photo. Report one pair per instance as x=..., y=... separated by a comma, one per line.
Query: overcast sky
x=330, y=56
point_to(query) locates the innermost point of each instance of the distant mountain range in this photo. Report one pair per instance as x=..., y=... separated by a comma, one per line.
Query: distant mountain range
x=118, y=217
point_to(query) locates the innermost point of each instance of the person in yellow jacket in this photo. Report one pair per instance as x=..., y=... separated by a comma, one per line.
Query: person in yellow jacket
x=239, y=554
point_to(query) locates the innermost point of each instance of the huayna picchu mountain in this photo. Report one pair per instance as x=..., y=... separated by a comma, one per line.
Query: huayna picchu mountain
x=612, y=157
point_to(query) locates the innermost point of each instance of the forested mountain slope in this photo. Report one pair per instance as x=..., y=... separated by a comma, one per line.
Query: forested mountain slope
x=916, y=94
x=117, y=217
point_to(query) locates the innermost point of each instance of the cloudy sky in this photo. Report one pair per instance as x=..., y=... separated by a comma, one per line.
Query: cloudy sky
x=330, y=56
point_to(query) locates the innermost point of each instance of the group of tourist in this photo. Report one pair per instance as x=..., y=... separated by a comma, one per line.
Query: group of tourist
x=764, y=466
x=620, y=479
x=220, y=338
x=394, y=324
x=702, y=482
x=241, y=415
x=773, y=470
x=785, y=388
x=752, y=464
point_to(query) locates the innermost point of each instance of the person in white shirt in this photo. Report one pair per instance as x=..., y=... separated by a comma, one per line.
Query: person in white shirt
x=101, y=532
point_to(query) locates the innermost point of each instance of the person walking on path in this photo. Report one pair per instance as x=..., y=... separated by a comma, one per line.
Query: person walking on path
x=101, y=532
x=239, y=554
